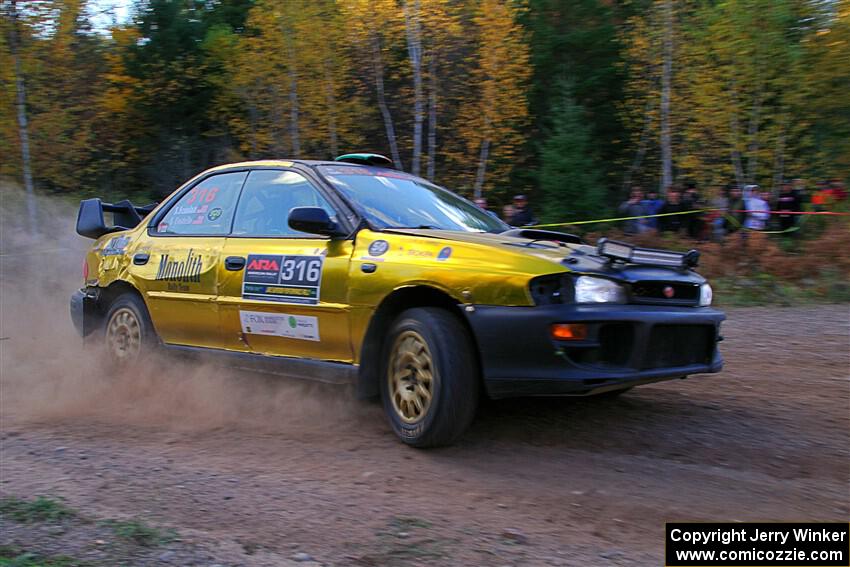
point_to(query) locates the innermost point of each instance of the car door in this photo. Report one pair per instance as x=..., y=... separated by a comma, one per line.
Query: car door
x=176, y=263
x=284, y=292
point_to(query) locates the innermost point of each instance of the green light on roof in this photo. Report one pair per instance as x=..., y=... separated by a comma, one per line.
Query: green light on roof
x=366, y=159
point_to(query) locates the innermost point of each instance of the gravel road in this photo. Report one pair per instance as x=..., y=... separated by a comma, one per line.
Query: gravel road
x=216, y=467
x=254, y=470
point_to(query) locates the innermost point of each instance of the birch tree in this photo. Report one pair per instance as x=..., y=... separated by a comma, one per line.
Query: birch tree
x=666, y=79
x=374, y=25
x=493, y=120
x=14, y=43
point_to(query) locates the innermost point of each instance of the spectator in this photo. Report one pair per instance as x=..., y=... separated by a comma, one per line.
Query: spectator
x=788, y=202
x=633, y=207
x=481, y=203
x=822, y=197
x=751, y=190
x=801, y=193
x=757, y=207
x=693, y=202
x=652, y=205
x=673, y=204
x=508, y=213
x=522, y=212
x=720, y=204
x=838, y=190
x=736, y=207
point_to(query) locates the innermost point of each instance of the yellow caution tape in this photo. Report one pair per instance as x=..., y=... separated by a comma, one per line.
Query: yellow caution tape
x=621, y=218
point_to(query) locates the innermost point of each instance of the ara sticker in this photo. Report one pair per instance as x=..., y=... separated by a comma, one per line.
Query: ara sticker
x=301, y=327
x=379, y=248
x=286, y=279
x=444, y=254
x=115, y=246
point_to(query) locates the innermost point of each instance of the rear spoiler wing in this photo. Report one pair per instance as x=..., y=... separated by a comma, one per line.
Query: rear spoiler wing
x=625, y=252
x=125, y=215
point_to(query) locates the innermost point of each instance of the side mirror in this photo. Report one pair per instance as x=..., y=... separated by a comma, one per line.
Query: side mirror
x=313, y=220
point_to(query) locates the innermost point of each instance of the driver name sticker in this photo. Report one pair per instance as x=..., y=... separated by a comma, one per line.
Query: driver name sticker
x=301, y=327
x=286, y=279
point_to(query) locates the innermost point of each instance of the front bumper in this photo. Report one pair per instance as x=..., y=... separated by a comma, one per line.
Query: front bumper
x=627, y=345
x=84, y=311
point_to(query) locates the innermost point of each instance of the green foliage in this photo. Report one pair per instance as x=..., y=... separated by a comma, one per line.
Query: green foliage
x=759, y=92
x=140, y=533
x=41, y=509
x=13, y=557
x=570, y=181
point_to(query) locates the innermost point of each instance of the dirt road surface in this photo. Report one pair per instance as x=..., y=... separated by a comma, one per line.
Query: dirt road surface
x=245, y=469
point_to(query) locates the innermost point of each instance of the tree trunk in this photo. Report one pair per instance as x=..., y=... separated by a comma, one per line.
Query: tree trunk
x=779, y=160
x=666, y=75
x=378, y=71
x=331, y=101
x=752, y=133
x=736, y=154
x=432, y=117
x=277, y=121
x=293, y=100
x=414, y=49
x=482, y=166
x=23, y=130
x=642, y=146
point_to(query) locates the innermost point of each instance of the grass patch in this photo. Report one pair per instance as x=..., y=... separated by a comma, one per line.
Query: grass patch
x=140, y=533
x=403, y=544
x=405, y=524
x=11, y=556
x=41, y=509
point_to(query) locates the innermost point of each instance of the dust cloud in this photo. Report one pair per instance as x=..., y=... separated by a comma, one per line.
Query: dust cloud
x=46, y=375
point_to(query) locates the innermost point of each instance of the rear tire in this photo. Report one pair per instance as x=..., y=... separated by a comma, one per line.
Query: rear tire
x=430, y=378
x=128, y=334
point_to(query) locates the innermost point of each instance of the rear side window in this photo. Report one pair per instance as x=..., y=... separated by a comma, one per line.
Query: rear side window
x=206, y=209
x=268, y=197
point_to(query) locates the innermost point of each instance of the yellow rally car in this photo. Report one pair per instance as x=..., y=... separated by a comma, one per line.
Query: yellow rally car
x=350, y=271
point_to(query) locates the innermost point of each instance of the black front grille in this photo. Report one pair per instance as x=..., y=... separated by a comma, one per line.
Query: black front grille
x=659, y=292
x=679, y=345
x=616, y=343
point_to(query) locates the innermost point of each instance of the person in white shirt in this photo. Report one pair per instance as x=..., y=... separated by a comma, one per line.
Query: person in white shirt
x=758, y=208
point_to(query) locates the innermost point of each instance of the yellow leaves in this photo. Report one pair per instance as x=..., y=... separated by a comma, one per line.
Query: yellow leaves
x=499, y=109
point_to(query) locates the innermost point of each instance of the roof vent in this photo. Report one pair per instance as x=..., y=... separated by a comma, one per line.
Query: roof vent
x=366, y=159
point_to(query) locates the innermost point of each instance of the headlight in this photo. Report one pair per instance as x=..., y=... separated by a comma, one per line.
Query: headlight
x=705, y=295
x=598, y=290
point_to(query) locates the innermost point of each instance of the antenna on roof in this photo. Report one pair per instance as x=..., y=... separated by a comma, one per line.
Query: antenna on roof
x=366, y=159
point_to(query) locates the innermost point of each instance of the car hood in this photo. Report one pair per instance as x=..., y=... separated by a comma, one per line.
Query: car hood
x=580, y=258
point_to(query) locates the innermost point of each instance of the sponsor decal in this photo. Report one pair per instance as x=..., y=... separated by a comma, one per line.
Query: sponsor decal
x=379, y=248
x=186, y=270
x=286, y=279
x=420, y=253
x=162, y=227
x=301, y=327
x=444, y=254
x=214, y=214
x=669, y=292
x=183, y=210
x=116, y=246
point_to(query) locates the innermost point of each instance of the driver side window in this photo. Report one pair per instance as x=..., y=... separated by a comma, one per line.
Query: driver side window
x=267, y=198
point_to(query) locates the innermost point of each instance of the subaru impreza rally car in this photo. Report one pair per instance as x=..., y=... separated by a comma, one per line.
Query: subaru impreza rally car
x=350, y=271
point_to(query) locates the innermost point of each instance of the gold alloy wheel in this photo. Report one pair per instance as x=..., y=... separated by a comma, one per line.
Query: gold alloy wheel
x=124, y=335
x=411, y=377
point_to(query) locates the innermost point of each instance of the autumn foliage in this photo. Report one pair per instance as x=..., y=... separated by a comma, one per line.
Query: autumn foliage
x=560, y=99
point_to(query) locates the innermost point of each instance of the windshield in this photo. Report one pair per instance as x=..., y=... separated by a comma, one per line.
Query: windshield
x=393, y=199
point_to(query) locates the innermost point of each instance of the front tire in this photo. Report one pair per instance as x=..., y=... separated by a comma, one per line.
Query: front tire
x=430, y=379
x=128, y=333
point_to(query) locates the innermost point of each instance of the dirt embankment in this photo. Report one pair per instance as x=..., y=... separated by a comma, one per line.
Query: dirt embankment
x=252, y=470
